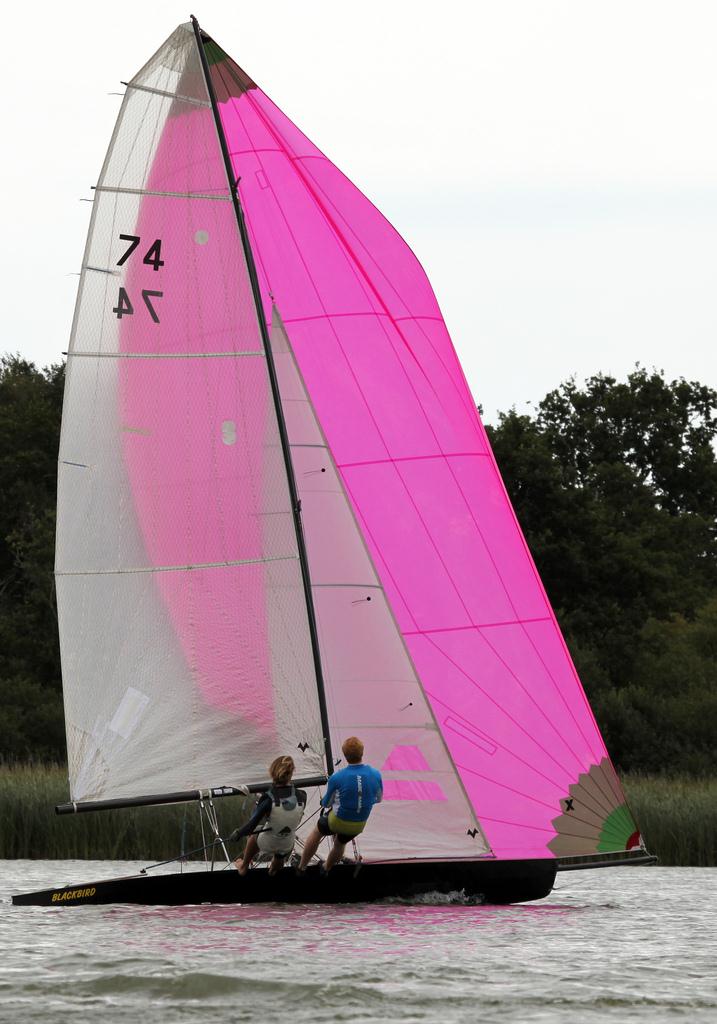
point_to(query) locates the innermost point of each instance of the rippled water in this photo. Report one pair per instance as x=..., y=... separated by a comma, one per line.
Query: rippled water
x=628, y=944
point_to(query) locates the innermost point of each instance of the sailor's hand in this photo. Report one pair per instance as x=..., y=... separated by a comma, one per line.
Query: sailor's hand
x=234, y=837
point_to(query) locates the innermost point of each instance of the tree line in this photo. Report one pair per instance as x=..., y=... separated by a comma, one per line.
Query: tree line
x=614, y=484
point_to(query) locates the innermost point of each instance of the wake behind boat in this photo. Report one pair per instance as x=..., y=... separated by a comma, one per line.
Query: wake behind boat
x=280, y=523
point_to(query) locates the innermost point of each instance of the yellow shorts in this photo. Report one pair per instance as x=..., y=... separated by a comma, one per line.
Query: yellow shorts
x=343, y=830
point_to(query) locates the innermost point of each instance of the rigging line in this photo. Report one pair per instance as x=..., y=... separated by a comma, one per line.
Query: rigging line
x=213, y=819
x=276, y=395
x=201, y=825
x=305, y=821
x=181, y=857
x=178, y=568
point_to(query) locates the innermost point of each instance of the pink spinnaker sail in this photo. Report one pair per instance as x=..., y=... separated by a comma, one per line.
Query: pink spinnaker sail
x=406, y=437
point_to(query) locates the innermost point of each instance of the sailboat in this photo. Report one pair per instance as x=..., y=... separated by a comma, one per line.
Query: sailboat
x=280, y=523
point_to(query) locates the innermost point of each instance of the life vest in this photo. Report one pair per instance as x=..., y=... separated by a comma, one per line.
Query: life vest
x=286, y=812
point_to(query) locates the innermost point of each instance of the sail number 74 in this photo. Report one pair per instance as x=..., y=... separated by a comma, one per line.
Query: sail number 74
x=153, y=257
x=125, y=308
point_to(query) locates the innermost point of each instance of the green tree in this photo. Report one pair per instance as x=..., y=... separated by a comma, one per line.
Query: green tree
x=30, y=709
x=615, y=486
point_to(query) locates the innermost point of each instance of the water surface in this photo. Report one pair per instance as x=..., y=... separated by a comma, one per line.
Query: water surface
x=626, y=944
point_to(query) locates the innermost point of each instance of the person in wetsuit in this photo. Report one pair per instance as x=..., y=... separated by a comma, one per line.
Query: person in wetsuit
x=349, y=798
x=272, y=826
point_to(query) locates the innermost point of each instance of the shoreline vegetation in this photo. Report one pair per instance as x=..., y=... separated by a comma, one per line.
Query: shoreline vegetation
x=677, y=817
x=29, y=827
x=614, y=484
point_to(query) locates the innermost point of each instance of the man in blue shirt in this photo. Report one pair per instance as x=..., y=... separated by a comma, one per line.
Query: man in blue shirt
x=350, y=795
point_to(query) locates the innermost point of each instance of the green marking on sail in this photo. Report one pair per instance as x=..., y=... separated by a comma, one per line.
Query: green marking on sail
x=616, y=831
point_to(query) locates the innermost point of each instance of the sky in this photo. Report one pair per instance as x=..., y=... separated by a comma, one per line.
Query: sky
x=552, y=163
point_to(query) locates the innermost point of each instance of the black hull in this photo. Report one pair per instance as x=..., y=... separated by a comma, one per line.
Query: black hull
x=492, y=881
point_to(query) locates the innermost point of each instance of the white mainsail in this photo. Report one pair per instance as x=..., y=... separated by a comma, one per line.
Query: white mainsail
x=186, y=653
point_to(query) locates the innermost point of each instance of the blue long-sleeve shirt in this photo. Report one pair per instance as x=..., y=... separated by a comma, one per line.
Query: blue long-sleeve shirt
x=353, y=791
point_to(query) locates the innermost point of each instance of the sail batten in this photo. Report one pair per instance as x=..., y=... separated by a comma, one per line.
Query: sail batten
x=168, y=95
x=156, y=192
x=166, y=355
x=175, y=568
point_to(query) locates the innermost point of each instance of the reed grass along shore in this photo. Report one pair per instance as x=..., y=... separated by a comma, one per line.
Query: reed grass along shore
x=678, y=818
x=29, y=826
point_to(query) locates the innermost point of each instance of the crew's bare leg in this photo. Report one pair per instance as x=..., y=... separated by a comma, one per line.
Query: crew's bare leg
x=276, y=865
x=335, y=854
x=311, y=845
x=250, y=851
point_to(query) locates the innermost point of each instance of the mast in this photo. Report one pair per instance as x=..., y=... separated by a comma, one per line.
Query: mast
x=293, y=491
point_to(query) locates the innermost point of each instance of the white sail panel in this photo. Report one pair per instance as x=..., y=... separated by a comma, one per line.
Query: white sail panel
x=371, y=685
x=184, y=634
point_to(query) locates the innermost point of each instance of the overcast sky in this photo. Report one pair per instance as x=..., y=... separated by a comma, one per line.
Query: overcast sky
x=553, y=163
